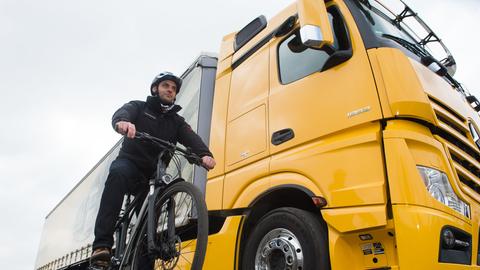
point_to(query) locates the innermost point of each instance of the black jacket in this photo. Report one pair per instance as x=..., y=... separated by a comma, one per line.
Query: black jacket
x=149, y=117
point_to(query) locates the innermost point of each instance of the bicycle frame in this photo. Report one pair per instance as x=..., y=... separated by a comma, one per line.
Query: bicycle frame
x=156, y=185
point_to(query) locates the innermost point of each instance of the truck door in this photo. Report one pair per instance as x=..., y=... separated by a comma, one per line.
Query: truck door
x=330, y=109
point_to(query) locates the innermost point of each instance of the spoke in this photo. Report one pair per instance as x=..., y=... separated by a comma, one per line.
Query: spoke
x=182, y=212
x=187, y=260
x=184, y=201
x=188, y=244
x=187, y=205
x=188, y=252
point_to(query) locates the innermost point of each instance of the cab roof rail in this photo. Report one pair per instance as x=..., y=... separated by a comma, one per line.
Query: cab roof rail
x=431, y=37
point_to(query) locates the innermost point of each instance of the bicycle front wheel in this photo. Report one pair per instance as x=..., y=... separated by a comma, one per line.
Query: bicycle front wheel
x=181, y=231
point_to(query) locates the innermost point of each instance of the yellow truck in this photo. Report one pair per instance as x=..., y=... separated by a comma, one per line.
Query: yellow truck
x=342, y=141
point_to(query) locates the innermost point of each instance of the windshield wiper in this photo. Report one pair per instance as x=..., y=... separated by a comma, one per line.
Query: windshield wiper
x=427, y=60
x=414, y=48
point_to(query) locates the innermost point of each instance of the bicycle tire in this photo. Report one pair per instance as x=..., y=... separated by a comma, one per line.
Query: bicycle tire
x=192, y=234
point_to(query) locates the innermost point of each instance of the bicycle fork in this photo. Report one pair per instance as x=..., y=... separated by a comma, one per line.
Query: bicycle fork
x=151, y=226
x=167, y=249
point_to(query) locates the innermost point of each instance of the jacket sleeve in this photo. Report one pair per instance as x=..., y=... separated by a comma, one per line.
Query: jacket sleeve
x=127, y=112
x=188, y=138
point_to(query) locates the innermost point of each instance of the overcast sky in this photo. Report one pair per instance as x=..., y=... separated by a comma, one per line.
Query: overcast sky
x=66, y=66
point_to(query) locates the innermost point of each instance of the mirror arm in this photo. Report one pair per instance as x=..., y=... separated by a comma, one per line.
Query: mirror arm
x=337, y=58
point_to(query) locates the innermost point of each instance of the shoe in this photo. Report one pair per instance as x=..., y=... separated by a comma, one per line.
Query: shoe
x=100, y=258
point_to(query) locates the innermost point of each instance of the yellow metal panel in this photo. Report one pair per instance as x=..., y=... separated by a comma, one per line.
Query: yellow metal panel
x=355, y=218
x=246, y=137
x=289, y=178
x=437, y=87
x=352, y=194
x=214, y=193
x=226, y=47
x=404, y=128
x=249, y=87
x=237, y=181
x=348, y=251
x=247, y=112
x=219, y=123
x=406, y=185
x=405, y=92
x=222, y=246
x=403, y=85
x=414, y=223
x=251, y=192
x=224, y=67
x=382, y=92
x=408, y=144
x=347, y=167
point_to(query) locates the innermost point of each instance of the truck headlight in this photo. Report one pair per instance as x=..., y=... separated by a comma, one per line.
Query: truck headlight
x=439, y=187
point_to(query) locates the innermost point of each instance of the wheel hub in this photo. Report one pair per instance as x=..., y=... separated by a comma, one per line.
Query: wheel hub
x=279, y=249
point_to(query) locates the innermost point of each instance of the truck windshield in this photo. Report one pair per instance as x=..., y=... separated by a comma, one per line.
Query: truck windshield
x=385, y=27
x=396, y=25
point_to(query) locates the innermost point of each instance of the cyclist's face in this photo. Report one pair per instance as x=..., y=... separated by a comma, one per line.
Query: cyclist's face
x=167, y=91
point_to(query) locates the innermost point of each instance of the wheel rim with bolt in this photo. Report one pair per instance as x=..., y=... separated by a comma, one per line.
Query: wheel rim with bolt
x=279, y=249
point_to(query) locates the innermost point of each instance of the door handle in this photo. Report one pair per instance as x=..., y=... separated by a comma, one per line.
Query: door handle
x=281, y=136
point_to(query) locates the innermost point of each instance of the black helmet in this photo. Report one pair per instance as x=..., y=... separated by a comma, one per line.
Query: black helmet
x=165, y=76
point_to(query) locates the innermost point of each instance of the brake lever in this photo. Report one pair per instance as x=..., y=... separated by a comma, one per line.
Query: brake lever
x=141, y=135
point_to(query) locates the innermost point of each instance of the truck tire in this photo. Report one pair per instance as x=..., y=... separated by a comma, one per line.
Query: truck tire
x=287, y=238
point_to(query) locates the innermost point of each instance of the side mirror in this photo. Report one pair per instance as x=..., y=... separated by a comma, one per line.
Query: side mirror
x=315, y=28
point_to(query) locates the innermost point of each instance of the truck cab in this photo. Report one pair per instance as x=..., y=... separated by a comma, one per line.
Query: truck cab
x=367, y=131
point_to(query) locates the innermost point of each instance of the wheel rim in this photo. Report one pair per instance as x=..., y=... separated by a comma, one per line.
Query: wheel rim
x=279, y=249
x=169, y=256
x=187, y=249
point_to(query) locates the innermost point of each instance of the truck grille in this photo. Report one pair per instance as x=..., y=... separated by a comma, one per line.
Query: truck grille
x=454, y=132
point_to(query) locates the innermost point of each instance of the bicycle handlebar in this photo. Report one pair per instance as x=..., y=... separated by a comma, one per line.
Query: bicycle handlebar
x=188, y=154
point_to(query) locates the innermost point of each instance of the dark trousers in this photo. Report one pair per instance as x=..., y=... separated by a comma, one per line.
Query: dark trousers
x=124, y=178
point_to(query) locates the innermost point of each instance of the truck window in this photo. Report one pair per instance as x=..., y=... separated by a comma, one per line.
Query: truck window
x=296, y=61
x=381, y=24
x=392, y=34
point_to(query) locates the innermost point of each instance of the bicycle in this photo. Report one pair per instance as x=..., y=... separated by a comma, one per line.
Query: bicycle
x=166, y=228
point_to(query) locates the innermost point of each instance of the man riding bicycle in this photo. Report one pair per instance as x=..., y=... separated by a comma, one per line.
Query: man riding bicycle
x=136, y=161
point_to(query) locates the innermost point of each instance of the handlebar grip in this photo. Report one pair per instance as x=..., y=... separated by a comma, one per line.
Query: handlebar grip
x=194, y=159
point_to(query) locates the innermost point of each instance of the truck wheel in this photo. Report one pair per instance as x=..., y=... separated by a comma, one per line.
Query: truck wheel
x=287, y=238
